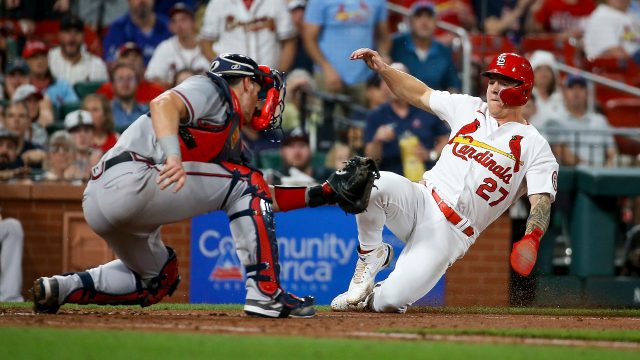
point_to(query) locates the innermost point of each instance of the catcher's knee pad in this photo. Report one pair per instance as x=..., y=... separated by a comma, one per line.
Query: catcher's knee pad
x=157, y=288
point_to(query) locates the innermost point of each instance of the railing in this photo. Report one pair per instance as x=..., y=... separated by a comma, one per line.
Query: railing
x=591, y=144
x=593, y=78
x=461, y=33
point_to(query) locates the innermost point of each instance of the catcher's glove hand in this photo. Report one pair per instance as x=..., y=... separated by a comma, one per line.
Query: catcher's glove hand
x=352, y=185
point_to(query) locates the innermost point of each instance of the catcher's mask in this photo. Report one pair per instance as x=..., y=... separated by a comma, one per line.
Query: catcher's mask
x=272, y=87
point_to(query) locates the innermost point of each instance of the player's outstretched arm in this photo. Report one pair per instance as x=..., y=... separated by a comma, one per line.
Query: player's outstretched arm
x=525, y=252
x=166, y=112
x=402, y=84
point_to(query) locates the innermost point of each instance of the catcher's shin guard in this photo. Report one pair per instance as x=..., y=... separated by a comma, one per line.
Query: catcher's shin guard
x=266, y=271
x=157, y=288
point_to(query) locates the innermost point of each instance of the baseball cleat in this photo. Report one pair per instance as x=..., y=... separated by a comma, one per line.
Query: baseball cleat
x=45, y=296
x=284, y=305
x=367, y=268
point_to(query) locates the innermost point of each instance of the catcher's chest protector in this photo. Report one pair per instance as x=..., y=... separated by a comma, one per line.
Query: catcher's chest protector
x=215, y=144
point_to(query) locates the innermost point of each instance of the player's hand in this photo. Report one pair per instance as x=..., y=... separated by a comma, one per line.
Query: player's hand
x=373, y=60
x=525, y=252
x=332, y=81
x=385, y=133
x=172, y=172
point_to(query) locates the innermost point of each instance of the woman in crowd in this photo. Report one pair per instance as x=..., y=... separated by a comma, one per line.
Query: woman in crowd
x=104, y=135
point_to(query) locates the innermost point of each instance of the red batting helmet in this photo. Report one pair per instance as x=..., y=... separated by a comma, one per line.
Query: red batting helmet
x=516, y=67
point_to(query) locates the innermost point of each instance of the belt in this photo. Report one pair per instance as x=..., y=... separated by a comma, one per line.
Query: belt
x=451, y=214
x=123, y=157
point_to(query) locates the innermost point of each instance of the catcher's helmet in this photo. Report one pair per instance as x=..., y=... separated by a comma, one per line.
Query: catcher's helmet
x=517, y=68
x=271, y=81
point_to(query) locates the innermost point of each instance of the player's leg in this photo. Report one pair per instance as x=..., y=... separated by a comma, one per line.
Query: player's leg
x=431, y=249
x=395, y=201
x=146, y=270
x=11, y=243
x=253, y=230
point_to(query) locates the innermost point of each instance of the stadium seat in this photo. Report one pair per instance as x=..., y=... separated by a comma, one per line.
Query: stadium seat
x=624, y=113
x=563, y=49
x=605, y=93
x=486, y=46
x=85, y=88
x=67, y=108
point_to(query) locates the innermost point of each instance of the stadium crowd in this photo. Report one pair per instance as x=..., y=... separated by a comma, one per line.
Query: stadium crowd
x=74, y=74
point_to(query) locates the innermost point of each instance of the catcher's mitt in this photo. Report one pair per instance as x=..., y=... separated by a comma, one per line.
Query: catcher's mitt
x=352, y=185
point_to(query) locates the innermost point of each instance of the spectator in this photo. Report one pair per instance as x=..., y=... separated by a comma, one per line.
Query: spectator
x=16, y=74
x=181, y=51
x=99, y=14
x=565, y=17
x=337, y=156
x=11, y=244
x=297, y=169
x=587, y=146
x=131, y=54
x=10, y=166
x=140, y=25
x=40, y=113
x=124, y=106
x=58, y=90
x=104, y=135
x=505, y=17
x=374, y=94
x=79, y=125
x=181, y=76
x=302, y=60
x=298, y=81
x=28, y=12
x=70, y=61
x=262, y=30
x=164, y=6
x=60, y=165
x=546, y=83
x=612, y=31
x=326, y=24
x=17, y=121
x=395, y=118
x=427, y=59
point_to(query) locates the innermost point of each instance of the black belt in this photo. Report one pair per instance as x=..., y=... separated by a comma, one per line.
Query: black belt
x=124, y=157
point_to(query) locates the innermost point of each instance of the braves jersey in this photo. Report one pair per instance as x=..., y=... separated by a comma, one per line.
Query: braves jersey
x=255, y=32
x=206, y=109
x=484, y=167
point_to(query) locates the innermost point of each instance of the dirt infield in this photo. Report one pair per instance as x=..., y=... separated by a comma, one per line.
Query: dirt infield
x=326, y=324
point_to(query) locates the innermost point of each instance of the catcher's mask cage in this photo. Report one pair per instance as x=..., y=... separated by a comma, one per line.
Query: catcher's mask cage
x=272, y=88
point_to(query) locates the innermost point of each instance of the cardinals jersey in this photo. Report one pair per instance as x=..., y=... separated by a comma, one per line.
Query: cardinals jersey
x=484, y=167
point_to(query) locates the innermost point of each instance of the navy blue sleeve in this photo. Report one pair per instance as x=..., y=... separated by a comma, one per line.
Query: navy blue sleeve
x=452, y=80
x=113, y=39
x=372, y=125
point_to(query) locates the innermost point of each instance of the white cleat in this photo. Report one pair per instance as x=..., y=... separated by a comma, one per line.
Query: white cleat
x=339, y=303
x=367, y=268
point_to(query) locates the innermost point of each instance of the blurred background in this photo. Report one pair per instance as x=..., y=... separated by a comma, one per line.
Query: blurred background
x=76, y=73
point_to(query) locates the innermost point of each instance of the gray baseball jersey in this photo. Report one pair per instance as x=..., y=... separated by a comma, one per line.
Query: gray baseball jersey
x=123, y=203
x=206, y=108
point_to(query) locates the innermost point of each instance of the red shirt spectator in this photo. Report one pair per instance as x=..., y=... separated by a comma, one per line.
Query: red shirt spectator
x=146, y=92
x=563, y=16
x=131, y=54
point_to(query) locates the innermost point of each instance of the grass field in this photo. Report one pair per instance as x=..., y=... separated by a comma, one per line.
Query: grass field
x=66, y=336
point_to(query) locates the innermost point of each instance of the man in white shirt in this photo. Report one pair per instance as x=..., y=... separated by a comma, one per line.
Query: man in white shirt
x=585, y=139
x=70, y=61
x=179, y=52
x=261, y=29
x=612, y=31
